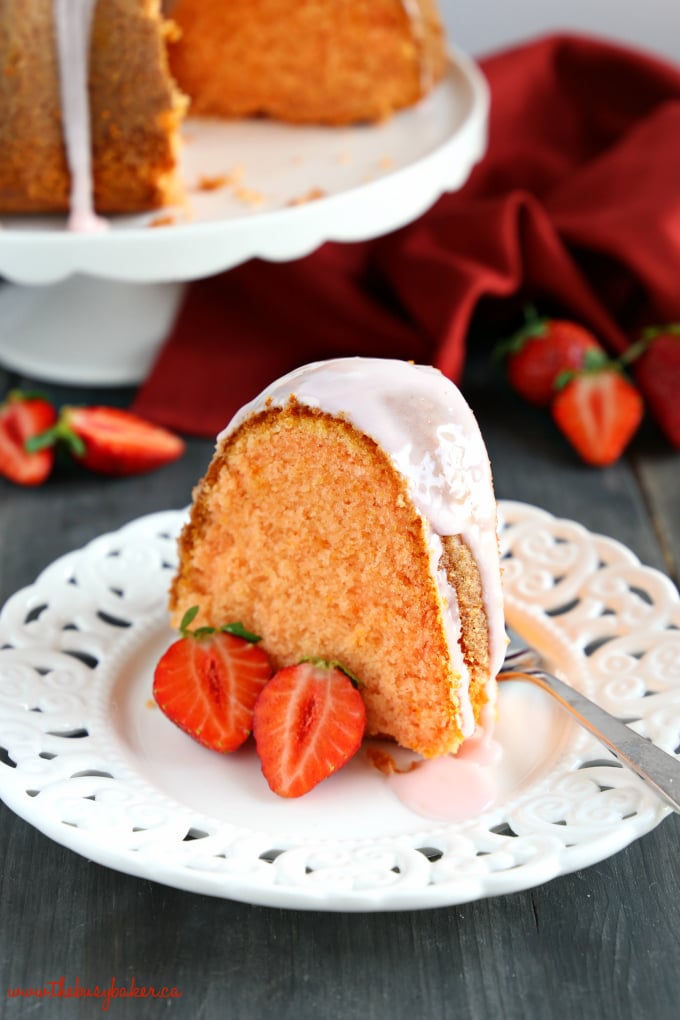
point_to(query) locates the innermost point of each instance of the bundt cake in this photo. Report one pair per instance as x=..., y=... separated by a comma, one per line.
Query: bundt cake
x=92, y=109
x=336, y=62
x=348, y=514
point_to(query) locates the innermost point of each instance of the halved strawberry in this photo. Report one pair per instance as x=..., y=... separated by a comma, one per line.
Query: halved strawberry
x=309, y=721
x=542, y=349
x=112, y=441
x=208, y=681
x=23, y=416
x=599, y=411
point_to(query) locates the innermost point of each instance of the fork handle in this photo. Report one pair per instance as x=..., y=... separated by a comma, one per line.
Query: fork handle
x=659, y=769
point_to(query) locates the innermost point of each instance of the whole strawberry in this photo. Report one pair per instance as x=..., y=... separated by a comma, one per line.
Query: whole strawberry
x=111, y=441
x=22, y=417
x=208, y=681
x=540, y=351
x=656, y=366
x=598, y=410
x=309, y=721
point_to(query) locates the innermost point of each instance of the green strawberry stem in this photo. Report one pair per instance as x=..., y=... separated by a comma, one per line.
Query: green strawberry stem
x=649, y=335
x=59, y=433
x=237, y=629
x=534, y=325
x=651, y=332
x=321, y=663
x=26, y=395
x=188, y=619
x=593, y=361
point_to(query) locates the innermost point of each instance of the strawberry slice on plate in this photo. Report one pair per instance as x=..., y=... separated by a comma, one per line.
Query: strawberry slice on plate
x=309, y=721
x=22, y=417
x=208, y=681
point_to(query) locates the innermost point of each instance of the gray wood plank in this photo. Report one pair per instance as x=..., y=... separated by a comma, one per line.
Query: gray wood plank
x=657, y=469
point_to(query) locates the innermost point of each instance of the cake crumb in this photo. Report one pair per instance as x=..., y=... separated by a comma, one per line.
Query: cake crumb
x=385, y=763
x=249, y=196
x=213, y=183
x=150, y=703
x=386, y=163
x=228, y=179
x=166, y=220
x=311, y=196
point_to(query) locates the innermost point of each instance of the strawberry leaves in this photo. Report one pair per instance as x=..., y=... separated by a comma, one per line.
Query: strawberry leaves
x=237, y=629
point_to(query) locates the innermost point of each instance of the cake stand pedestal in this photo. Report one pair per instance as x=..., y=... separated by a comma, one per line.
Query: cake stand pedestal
x=93, y=309
x=85, y=331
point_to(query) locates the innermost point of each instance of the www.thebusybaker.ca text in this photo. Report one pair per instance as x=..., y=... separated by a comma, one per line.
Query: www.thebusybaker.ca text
x=59, y=989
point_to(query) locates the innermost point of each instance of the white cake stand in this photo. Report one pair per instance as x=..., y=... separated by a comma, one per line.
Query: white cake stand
x=93, y=309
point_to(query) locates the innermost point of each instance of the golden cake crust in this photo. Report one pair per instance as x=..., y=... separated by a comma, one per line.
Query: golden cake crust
x=303, y=530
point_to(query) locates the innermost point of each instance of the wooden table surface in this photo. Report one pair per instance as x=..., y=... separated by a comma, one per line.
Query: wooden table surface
x=599, y=943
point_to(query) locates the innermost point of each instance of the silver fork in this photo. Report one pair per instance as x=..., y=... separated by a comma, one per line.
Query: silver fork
x=660, y=770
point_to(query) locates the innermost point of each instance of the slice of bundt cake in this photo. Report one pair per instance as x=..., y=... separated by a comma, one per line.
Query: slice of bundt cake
x=348, y=514
x=337, y=62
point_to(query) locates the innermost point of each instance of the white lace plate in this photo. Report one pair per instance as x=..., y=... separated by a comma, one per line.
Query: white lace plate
x=88, y=760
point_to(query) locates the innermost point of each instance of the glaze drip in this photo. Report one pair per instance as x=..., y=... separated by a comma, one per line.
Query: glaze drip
x=73, y=27
x=414, y=14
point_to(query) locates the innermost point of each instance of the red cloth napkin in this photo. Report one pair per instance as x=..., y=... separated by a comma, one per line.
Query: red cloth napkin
x=576, y=207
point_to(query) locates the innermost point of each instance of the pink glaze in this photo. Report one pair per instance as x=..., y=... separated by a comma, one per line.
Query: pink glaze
x=73, y=23
x=481, y=749
x=414, y=14
x=81, y=222
x=454, y=787
x=448, y=789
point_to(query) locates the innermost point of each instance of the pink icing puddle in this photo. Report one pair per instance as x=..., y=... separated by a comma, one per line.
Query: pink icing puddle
x=453, y=787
